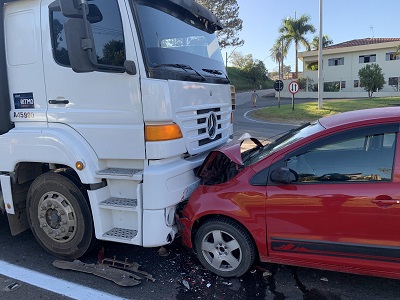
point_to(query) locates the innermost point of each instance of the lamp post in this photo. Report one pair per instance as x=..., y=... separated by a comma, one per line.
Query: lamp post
x=320, y=77
x=227, y=57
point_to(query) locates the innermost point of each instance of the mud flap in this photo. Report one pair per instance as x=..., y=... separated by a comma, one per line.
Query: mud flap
x=120, y=277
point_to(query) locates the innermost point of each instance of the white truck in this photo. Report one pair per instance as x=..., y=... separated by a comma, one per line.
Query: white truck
x=106, y=109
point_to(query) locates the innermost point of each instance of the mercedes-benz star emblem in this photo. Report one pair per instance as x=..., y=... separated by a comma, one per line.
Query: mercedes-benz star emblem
x=212, y=125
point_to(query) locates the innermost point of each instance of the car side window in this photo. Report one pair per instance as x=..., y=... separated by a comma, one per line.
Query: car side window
x=357, y=159
x=108, y=35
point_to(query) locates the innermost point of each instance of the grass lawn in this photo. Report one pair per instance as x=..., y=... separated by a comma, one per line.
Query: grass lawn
x=309, y=111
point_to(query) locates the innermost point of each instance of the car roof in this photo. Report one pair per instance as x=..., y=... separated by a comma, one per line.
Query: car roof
x=364, y=116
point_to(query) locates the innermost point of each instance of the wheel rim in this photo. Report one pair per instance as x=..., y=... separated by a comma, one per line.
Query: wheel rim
x=57, y=217
x=221, y=250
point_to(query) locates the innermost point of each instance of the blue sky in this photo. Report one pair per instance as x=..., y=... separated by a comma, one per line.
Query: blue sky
x=343, y=20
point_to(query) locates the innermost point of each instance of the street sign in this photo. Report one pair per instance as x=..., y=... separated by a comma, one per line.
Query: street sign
x=294, y=87
x=278, y=85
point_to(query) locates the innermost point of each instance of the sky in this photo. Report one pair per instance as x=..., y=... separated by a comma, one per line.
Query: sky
x=342, y=20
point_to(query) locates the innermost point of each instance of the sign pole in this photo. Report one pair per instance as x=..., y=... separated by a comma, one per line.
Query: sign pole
x=292, y=101
x=278, y=86
x=293, y=88
x=279, y=99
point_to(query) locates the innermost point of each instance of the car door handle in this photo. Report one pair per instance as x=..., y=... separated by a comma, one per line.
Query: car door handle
x=64, y=101
x=385, y=202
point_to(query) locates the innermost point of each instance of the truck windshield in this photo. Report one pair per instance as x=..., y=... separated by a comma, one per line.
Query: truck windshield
x=175, y=46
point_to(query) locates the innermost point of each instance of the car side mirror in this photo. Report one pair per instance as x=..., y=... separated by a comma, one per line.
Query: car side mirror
x=284, y=175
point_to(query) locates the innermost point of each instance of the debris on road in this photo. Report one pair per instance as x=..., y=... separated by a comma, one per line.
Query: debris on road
x=186, y=284
x=127, y=266
x=120, y=277
x=163, y=252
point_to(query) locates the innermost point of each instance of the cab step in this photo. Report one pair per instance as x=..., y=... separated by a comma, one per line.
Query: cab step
x=120, y=173
x=115, y=203
x=121, y=233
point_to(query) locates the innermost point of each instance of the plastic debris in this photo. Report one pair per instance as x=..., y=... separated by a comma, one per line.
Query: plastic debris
x=119, y=277
x=163, y=252
x=267, y=273
x=127, y=266
x=186, y=284
x=324, y=279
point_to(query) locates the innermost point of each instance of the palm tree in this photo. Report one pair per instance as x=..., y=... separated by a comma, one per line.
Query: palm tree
x=326, y=41
x=278, y=53
x=294, y=30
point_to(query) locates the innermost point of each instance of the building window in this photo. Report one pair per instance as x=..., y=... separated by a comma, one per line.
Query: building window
x=342, y=84
x=394, y=83
x=356, y=83
x=332, y=86
x=392, y=56
x=367, y=58
x=336, y=61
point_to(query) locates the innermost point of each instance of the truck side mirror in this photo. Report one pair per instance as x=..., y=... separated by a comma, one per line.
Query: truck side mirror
x=81, y=48
x=72, y=9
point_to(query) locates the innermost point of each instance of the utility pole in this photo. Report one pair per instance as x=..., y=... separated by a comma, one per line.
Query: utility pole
x=320, y=76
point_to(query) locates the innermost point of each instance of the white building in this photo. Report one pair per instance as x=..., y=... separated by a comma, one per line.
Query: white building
x=341, y=63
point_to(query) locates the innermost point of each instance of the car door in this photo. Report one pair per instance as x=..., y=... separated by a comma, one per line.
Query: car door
x=103, y=106
x=343, y=204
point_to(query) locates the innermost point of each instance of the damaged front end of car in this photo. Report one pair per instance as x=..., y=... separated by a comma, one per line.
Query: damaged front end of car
x=220, y=166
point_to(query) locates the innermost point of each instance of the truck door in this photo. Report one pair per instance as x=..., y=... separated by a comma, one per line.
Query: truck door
x=102, y=106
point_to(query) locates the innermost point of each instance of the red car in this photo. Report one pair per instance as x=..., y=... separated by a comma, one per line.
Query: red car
x=325, y=195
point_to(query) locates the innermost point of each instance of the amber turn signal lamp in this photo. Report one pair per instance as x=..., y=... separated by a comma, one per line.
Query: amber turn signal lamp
x=79, y=165
x=156, y=133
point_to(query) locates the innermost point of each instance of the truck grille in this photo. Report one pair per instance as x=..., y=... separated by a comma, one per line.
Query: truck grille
x=193, y=124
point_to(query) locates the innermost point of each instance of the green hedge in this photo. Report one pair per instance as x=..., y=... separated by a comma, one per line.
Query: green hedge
x=243, y=82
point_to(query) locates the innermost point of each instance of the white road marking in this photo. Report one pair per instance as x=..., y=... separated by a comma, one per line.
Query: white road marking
x=265, y=122
x=53, y=284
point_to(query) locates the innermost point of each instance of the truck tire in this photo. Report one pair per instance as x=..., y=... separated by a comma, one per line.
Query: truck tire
x=224, y=247
x=59, y=215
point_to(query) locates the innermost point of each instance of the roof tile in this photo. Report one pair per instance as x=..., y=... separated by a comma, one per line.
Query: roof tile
x=361, y=42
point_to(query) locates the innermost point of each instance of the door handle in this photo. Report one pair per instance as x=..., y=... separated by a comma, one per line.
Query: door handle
x=64, y=101
x=385, y=203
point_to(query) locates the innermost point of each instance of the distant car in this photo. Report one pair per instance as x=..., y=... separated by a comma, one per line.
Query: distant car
x=325, y=195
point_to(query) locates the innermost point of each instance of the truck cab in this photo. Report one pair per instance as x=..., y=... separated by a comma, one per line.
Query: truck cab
x=109, y=106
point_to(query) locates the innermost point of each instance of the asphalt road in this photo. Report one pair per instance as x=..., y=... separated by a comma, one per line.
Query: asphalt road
x=259, y=129
x=26, y=271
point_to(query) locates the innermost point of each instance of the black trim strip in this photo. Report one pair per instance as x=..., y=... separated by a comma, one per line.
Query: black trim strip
x=346, y=250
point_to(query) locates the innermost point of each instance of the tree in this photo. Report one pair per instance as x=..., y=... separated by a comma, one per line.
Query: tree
x=278, y=54
x=294, y=30
x=257, y=72
x=371, y=78
x=240, y=61
x=326, y=41
x=227, y=11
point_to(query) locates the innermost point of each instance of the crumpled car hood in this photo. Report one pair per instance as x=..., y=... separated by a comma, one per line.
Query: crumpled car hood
x=221, y=165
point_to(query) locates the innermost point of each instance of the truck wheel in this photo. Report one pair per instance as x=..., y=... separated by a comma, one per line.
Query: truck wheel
x=224, y=247
x=59, y=215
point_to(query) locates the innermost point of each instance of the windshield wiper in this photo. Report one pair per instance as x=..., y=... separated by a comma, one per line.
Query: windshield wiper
x=217, y=72
x=183, y=67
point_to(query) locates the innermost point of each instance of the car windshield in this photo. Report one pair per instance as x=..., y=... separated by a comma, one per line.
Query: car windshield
x=176, y=47
x=287, y=139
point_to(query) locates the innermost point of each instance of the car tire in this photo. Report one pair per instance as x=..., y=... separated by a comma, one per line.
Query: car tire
x=59, y=215
x=224, y=247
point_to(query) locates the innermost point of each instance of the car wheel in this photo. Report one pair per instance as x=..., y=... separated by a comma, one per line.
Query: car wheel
x=59, y=215
x=224, y=247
